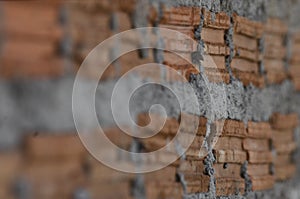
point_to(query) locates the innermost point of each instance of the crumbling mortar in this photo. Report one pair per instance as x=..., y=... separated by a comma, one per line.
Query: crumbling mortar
x=229, y=43
x=244, y=174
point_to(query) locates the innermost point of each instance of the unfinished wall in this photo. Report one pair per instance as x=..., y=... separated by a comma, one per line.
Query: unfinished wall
x=255, y=46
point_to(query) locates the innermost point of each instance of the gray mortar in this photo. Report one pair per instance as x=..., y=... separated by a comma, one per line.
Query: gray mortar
x=46, y=105
x=244, y=174
x=229, y=43
x=252, y=9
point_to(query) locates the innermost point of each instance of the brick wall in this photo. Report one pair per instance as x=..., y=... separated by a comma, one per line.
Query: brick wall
x=48, y=41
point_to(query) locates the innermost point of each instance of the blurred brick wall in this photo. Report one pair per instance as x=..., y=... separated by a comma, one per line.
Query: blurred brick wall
x=48, y=41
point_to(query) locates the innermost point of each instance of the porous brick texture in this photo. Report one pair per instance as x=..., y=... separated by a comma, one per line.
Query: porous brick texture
x=243, y=156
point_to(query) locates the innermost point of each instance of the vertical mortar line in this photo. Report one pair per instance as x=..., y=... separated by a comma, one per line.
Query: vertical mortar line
x=288, y=45
x=114, y=52
x=209, y=161
x=197, y=56
x=244, y=174
x=229, y=34
x=65, y=45
x=138, y=189
x=261, y=48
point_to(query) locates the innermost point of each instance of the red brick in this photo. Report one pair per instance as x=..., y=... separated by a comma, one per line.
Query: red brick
x=285, y=148
x=282, y=159
x=231, y=156
x=274, y=53
x=213, y=36
x=260, y=157
x=273, y=40
x=183, y=16
x=30, y=59
x=245, y=42
x=260, y=183
x=244, y=65
x=281, y=121
x=230, y=171
x=259, y=130
x=276, y=26
x=247, y=27
x=217, y=76
x=284, y=172
x=46, y=146
x=213, y=49
x=249, y=55
x=229, y=186
x=221, y=20
x=275, y=77
x=31, y=21
x=10, y=163
x=258, y=169
x=233, y=143
x=248, y=77
x=234, y=128
x=109, y=190
x=256, y=144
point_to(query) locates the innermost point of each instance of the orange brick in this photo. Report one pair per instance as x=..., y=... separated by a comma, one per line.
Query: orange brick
x=274, y=53
x=213, y=36
x=247, y=27
x=250, y=78
x=285, y=172
x=167, y=174
x=188, y=31
x=233, y=143
x=230, y=156
x=100, y=173
x=283, y=136
x=183, y=16
x=10, y=163
x=296, y=82
x=215, y=62
x=282, y=159
x=249, y=55
x=245, y=42
x=259, y=130
x=53, y=180
x=164, y=190
x=230, y=171
x=260, y=157
x=281, y=121
x=229, y=186
x=109, y=190
x=214, y=49
x=274, y=65
x=38, y=60
x=273, y=77
x=285, y=148
x=256, y=144
x=191, y=167
x=234, y=128
x=221, y=20
x=262, y=182
x=258, y=169
x=197, y=183
x=217, y=76
x=273, y=40
x=294, y=71
x=276, y=26
x=45, y=146
x=32, y=21
x=244, y=65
